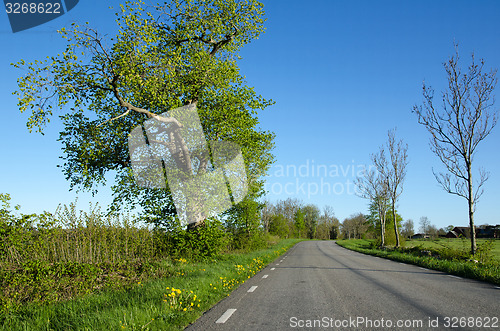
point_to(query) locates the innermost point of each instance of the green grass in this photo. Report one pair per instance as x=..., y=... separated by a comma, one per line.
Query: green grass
x=486, y=271
x=454, y=243
x=149, y=305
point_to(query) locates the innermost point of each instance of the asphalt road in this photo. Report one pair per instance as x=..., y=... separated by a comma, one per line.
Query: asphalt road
x=320, y=285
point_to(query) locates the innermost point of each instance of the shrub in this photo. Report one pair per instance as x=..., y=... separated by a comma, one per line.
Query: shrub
x=484, y=251
x=278, y=226
x=206, y=240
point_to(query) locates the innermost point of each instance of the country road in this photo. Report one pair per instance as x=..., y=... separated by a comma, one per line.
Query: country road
x=320, y=285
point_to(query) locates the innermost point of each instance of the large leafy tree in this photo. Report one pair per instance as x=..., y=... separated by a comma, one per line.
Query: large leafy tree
x=311, y=216
x=299, y=222
x=183, y=52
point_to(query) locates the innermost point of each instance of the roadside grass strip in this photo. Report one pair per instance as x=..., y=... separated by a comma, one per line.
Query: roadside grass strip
x=168, y=303
x=489, y=272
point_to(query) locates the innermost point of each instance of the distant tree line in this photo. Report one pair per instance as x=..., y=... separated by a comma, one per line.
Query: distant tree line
x=292, y=218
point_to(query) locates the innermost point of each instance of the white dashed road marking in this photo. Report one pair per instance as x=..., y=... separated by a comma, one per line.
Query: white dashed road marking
x=251, y=289
x=265, y=276
x=225, y=316
x=272, y=269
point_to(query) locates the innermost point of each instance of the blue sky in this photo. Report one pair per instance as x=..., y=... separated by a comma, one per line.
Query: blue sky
x=342, y=74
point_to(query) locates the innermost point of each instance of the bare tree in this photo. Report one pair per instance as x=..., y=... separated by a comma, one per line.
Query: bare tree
x=347, y=228
x=288, y=207
x=373, y=186
x=393, y=171
x=355, y=226
x=424, y=224
x=433, y=231
x=465, y=119
x=360, y=225
x=328, y=224
x=408, y=228
x=328, y=212
x=267, y=212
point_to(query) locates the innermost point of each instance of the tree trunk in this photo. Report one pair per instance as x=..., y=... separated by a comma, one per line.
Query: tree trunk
x=382, y=226
x=195, y=225
x=383, y=235
x=471, y=223
x=470, y=201
x=395, y=224
x=472, y=230
x=382, y=232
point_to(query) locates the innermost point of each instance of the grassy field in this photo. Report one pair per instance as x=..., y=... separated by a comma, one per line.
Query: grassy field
x=449, y=257
x=453, y=243
x=169, y=303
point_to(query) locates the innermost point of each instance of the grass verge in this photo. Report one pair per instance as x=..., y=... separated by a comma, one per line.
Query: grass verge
x=489, y=272
x=456, y=244
x=169, y=303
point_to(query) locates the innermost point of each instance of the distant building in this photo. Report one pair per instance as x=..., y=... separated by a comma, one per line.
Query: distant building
x=484, y=231
x=420, y=236
x=452, y=234
x=459, y=231
x=488, y=231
